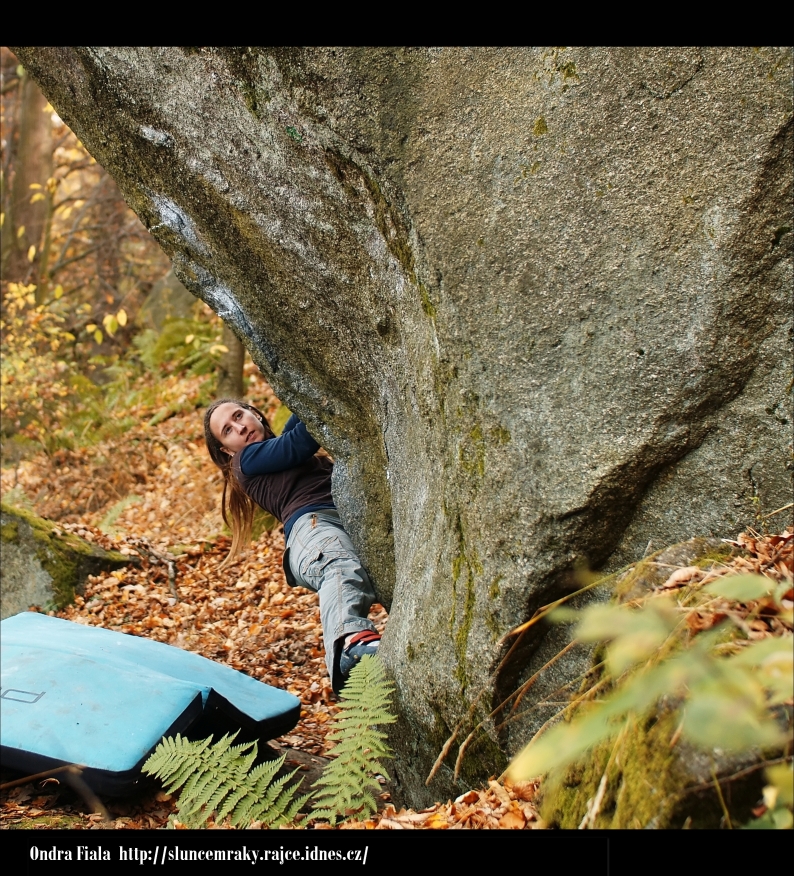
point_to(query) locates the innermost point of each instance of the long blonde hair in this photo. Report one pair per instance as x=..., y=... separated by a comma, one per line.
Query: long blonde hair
x=235, y=503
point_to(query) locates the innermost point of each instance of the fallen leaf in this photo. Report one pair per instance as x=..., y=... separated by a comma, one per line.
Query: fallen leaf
x=513, y=820
x=683, y=576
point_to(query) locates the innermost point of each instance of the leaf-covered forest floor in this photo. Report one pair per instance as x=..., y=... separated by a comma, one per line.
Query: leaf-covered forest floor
x=153, y=493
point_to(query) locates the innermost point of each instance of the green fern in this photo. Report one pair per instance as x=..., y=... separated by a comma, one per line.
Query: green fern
x=346, y=785
x=218, y=778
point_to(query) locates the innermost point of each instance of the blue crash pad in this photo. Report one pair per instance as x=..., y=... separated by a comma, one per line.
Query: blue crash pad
x=85, y=695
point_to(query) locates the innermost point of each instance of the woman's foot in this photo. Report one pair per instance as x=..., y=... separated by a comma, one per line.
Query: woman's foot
x=357, y=646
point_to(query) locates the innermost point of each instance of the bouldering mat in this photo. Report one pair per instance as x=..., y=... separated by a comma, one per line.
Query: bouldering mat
x=74, y=694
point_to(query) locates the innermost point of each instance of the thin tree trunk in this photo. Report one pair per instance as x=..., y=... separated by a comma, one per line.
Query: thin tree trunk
x=230, y=367
x=27, y=221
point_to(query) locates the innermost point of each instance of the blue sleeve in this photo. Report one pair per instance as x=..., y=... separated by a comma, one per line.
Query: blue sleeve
x=293, y=447
x=291, y=423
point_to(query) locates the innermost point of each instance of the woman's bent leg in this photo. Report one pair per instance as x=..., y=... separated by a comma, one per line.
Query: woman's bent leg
x=322, y=557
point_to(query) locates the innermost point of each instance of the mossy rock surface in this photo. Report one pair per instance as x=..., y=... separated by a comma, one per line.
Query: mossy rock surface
x=48, y=822
x=651, y=777
x=640, y=578
x=654, y=781
x=42, y=565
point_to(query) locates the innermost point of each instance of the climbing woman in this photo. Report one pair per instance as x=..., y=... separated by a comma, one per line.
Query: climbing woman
x=284, y=476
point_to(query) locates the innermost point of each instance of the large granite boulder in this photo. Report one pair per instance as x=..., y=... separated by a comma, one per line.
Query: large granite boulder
x=535, y=302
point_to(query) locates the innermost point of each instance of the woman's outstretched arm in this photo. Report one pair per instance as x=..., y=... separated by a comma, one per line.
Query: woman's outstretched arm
x=293, y=447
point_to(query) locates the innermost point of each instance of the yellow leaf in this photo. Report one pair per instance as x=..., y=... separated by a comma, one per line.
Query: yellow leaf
x=742, y=588
x=37, y=197
x=189, y=338
x=31, y=253
x=98, y=336
x=219, y=348
x=90, y=328
x=34, y=186
x=20, y=231
x=437, y=821
x=121, y=317
x=58, y=292
x=110, y=323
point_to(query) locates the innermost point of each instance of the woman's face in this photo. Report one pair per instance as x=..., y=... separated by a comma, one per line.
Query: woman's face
x=235, y=427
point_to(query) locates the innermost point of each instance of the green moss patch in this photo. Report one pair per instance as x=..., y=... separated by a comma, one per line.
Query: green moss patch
x=649, y=780
x=48, y=822
x=66, y=558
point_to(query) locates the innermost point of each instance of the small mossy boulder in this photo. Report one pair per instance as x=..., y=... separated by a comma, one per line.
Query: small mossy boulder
x=42, y=565
x=648, y=776
x=640, y=578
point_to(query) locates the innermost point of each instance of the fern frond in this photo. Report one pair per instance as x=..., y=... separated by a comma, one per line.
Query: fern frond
x=231, y=801
x=219, y=794
x=208, y=793
x=344, y=787
x=268, y=786
x=279, y=803
x=218, y=778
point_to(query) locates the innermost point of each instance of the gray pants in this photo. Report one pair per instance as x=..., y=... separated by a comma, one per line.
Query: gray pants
x=321, y=556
